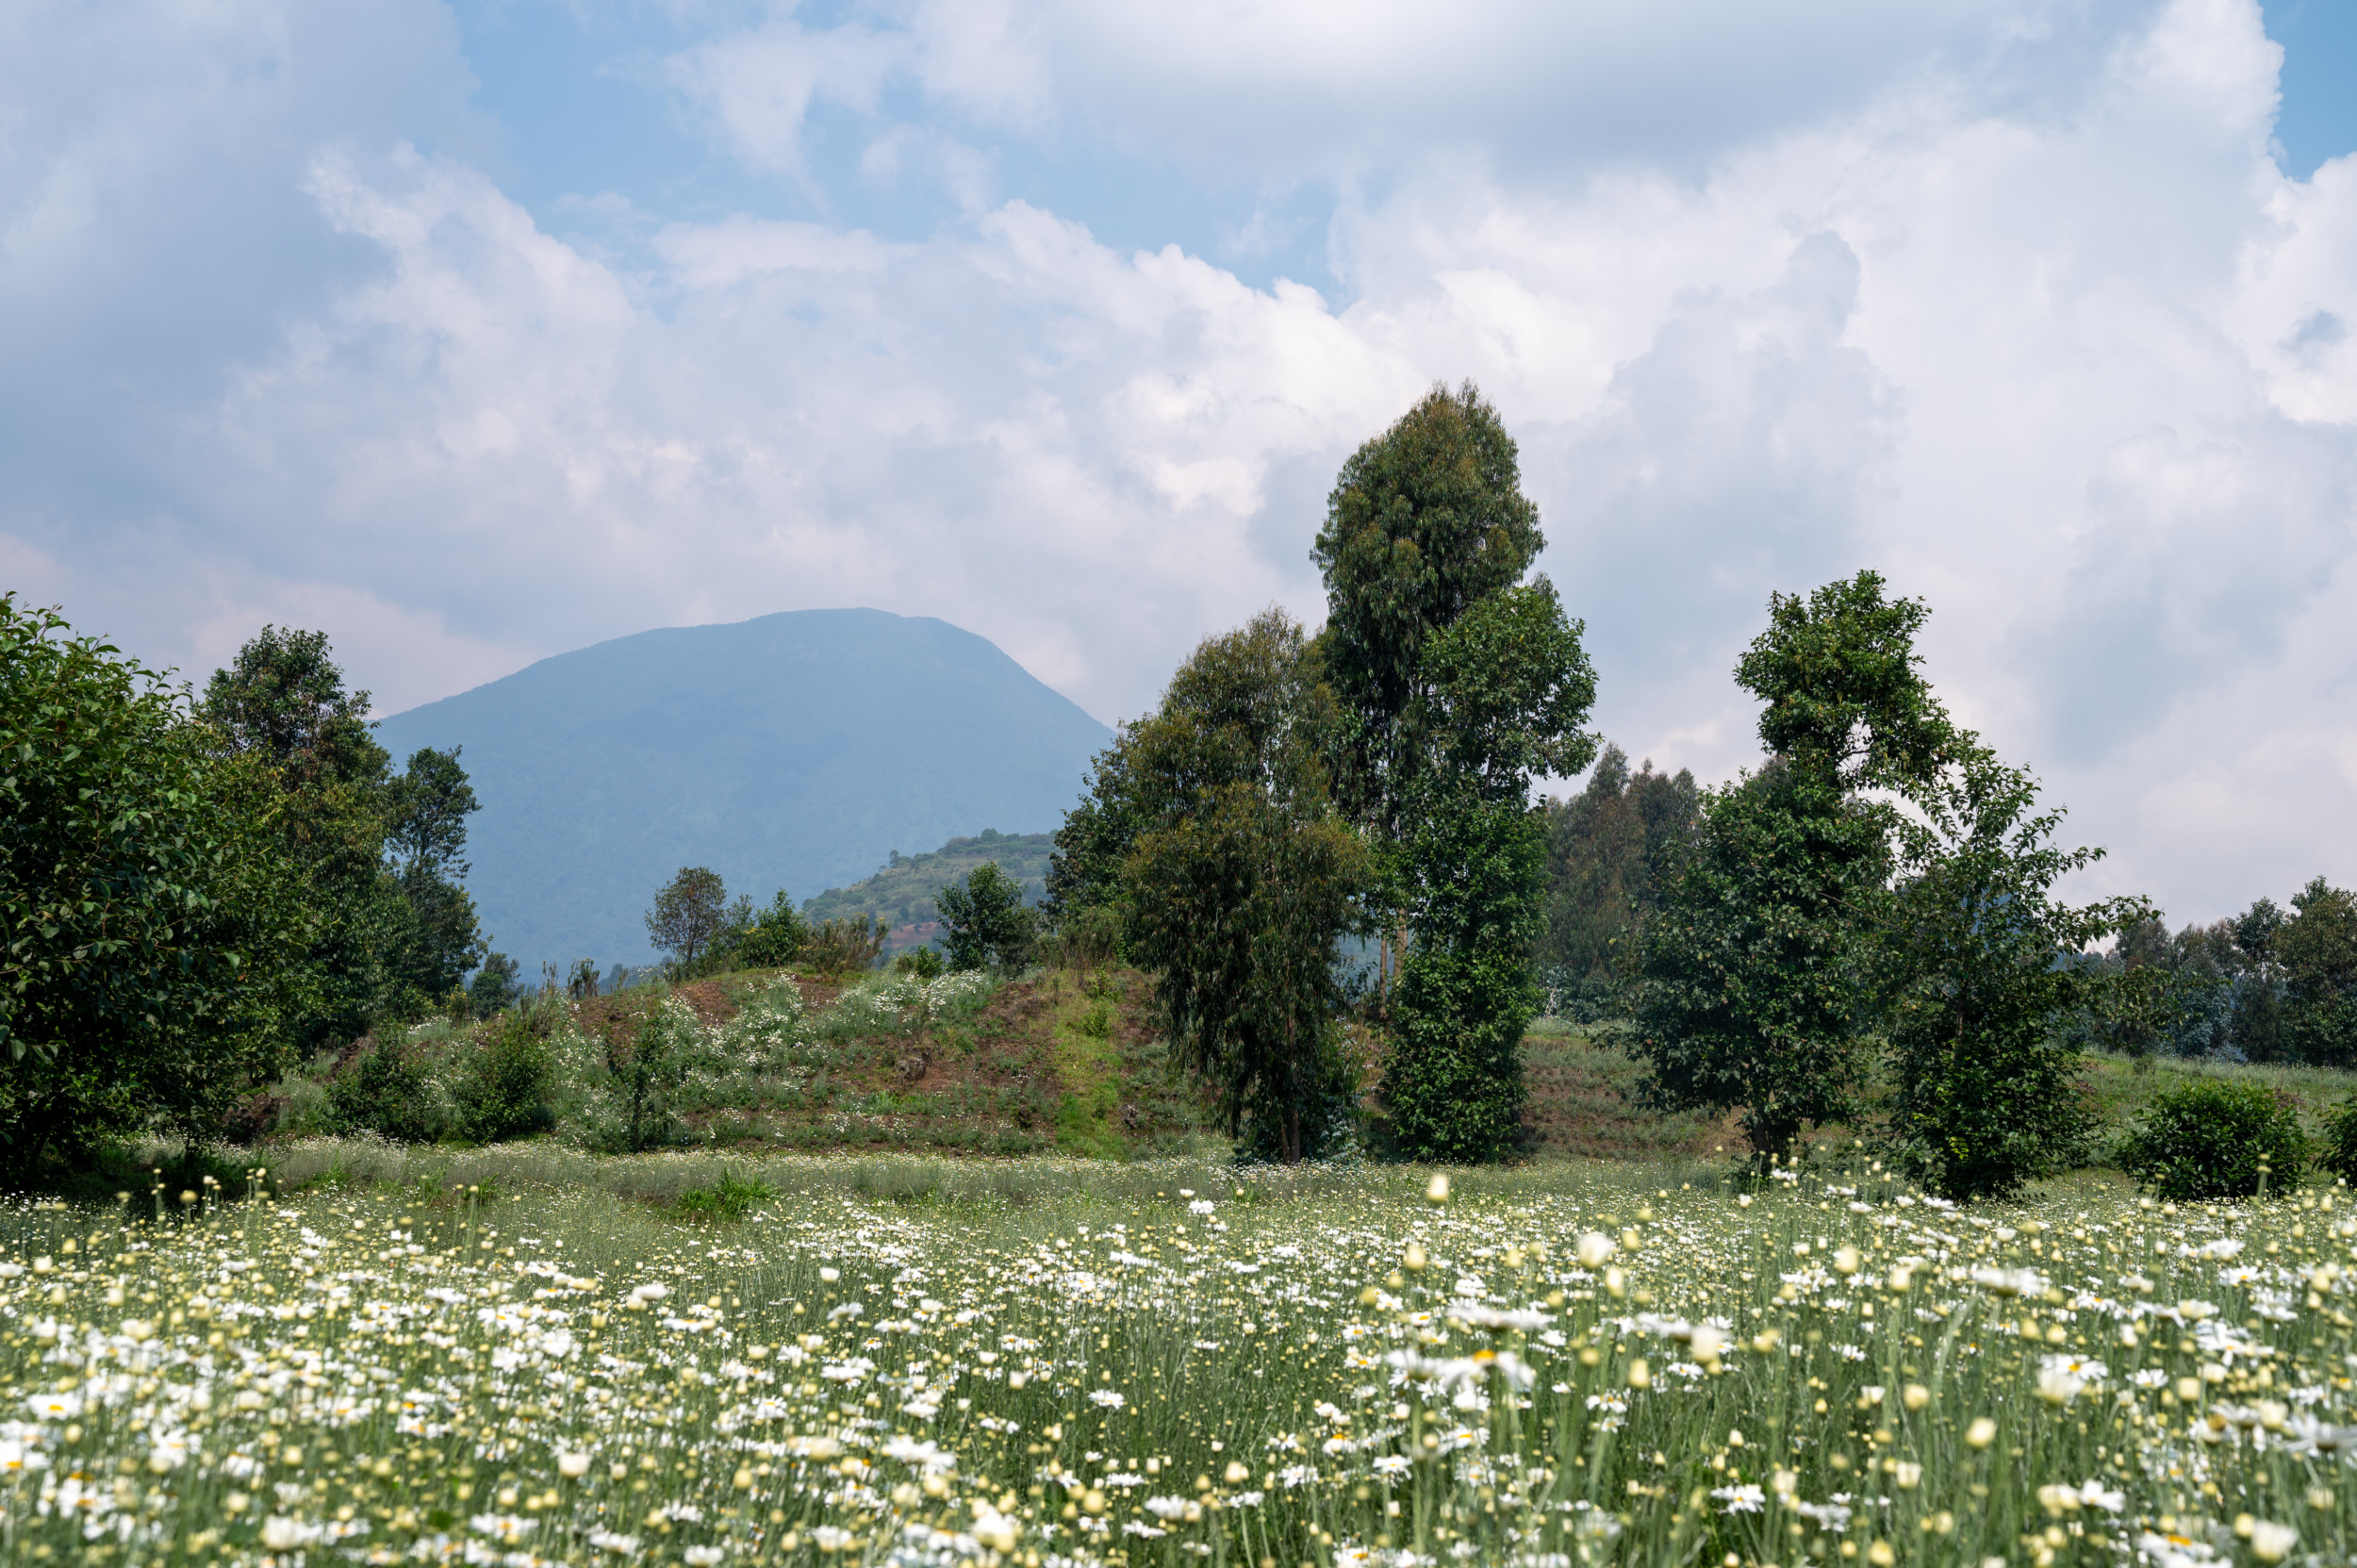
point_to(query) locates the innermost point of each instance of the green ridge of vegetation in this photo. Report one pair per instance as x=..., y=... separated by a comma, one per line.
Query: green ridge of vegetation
x=904, y=889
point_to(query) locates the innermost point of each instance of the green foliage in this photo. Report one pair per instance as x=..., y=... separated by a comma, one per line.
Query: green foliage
x=1755, y=987
x=2336, y=1149
x=1612, y=850
x=770, y=938
x=281, y=707
x=1454, y=684
x=648, y=1049
x=837, y=947
x=1987, y=1095
x=919, y=964
x=1083, y=883
x=1506, y=688
x=146, y=912
x=508, y=1082
x=1846, y=700
x=1243, y=879
x=985, y=923
x=2318, y=949
x=494, y=986
x=730, y=1198
x=2215, y=1138
x=1424, y=522
x=688, y=915
x=901, y=893
x=385, y=1088
x=1764, y=972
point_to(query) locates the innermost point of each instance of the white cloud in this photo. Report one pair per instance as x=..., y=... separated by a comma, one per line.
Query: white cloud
x=2013, y=305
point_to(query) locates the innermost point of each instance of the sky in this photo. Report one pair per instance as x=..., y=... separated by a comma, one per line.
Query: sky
x=474, y=331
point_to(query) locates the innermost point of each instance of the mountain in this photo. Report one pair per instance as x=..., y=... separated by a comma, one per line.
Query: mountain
x=795, y=750
x=903, y=891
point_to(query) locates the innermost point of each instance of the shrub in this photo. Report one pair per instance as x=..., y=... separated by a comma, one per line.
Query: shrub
x=764, y=939
x=635, y=1079
x=509, y=1079
x=2337, y=1150
x=2215, y=1138
x=918, y=964
x=385, y=1089
x=728, y=1198
x=839, y=947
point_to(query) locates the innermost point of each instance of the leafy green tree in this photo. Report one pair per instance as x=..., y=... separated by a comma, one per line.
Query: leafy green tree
x=1243, y=879
x=688, y=913
x=281, y=706
x=145, y=913
x=1987, y=1092
x=1425, y=522
x=1084, y=886
x=1453, y=687
x=1611, y=851
x=1506, y=688
x=985, y=922
x=494, y=986
x=1764, y=973
x=2317, y=948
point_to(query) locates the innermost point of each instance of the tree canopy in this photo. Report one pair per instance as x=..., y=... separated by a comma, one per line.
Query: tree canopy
x=146, y=906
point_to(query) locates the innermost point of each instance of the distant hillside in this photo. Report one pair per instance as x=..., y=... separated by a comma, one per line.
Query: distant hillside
x=902, y=892
x=796, y=752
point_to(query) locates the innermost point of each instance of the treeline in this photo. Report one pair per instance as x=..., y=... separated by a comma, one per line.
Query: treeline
x=198, y=889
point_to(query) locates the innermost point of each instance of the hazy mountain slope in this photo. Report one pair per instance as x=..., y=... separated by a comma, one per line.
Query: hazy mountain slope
x=903, y=891
x=796, y=750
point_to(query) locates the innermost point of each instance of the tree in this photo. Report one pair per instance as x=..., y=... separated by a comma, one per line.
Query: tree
x=1506, y=688
x=282, y=706
x=1986, y=1097
x=688, y=913
x=1425, y=521
x=1760, y=980
x=767, y=938
x=145, y=913
x=1243, y=880
x=1611, y=851
x=425, y=815
x=986, y=924
x=1093, y=843
x=1428, y=536
x=494, y=988
x=2317, y=948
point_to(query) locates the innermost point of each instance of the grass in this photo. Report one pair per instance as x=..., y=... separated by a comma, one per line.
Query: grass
x=1585, y=1096
x=1064, y=1361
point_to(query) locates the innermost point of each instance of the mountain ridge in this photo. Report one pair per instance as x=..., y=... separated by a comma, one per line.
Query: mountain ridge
x=793, y=750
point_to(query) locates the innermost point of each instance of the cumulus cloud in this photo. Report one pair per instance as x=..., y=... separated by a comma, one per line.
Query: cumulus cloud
x=2011, y=304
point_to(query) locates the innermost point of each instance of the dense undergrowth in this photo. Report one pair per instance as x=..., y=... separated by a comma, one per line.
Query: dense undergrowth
x=1058, y=1062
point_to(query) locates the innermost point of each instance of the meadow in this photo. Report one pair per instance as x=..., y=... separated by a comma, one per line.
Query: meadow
x=526, y=1354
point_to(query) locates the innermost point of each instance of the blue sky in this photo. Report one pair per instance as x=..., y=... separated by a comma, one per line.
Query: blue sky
x=472, y=332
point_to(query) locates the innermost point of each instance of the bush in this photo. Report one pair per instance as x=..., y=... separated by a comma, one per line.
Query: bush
x=726, y=1199
x=2215, y=1138
x=839, y=947
x=2337, y=1151
x=918, y=964
x=765, y=939
x=385, y=1089
x=509, y=1079
x=987, y=924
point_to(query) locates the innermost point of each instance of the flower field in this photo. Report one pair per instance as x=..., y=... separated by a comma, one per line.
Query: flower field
x=1164, y=1364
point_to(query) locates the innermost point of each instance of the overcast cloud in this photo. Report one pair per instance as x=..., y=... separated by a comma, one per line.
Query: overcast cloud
x=1056, y=320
